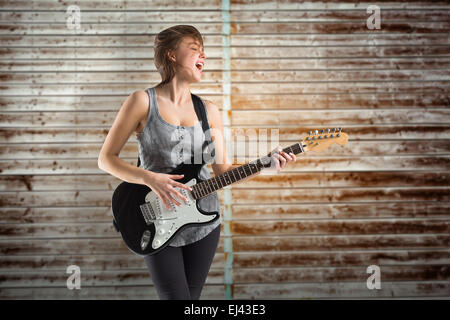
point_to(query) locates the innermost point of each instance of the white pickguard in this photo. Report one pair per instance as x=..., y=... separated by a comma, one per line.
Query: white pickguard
x=169, y=221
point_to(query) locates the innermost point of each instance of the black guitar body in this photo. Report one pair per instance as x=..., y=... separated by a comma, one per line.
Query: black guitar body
x=129, y=219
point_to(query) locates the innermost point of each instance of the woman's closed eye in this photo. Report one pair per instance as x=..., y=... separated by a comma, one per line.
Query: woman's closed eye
x=196, y=49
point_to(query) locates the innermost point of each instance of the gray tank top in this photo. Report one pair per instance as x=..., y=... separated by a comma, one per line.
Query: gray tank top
x=157, y=143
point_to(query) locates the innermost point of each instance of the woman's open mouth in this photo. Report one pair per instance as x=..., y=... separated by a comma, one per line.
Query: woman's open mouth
x=199, y=66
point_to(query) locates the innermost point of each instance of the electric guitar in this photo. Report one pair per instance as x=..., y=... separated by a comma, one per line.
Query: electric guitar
x=147, y=226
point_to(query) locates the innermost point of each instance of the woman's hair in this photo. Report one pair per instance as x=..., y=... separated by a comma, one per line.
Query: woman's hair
x=170, y=39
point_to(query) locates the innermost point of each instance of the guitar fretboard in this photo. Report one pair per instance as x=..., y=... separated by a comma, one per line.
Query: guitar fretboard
x=234, y=175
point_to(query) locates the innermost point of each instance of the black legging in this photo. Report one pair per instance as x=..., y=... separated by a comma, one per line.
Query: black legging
x=179, y=273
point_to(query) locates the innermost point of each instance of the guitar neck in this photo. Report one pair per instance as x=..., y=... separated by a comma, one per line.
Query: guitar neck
x=237, y=174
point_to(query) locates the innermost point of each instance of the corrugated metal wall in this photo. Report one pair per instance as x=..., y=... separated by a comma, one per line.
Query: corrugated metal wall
x=310, y=231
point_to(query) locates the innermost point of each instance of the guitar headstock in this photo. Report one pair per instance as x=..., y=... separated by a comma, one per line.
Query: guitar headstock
x=318, y=141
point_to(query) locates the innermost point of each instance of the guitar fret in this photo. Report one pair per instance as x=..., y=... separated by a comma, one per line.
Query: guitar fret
x=219, y=183
x=237, y=169
x=214, y=182
x=225, y=179
x=211, y=185
x=301, y=147
x=231, y=175
x=259, y=164
x=229, y=180
x=243, y=171
x=232, y=171
x=208, y=190
x=194, y=191
x=205, y=192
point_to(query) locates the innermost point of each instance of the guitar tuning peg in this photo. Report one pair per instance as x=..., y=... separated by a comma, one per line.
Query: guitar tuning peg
x=328, y=130
x=307, y=138
x=338, y=135
x=316, y=132
x=310, y=132
x=334, y=130
x=340, y=129
x=321, y=131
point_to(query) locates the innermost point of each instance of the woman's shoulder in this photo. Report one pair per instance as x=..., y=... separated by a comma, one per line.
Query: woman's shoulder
x=213, y=113
x=140, y=97
x=135, y=108
x=138, y=101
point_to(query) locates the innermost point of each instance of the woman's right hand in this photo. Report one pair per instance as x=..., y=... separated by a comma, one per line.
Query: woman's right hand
x=163, y=185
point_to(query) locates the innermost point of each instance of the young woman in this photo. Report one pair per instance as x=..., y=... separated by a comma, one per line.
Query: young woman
x=161, y=117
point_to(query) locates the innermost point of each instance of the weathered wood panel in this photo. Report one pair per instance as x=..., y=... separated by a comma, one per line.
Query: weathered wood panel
x=426, y=132
x=115, y=292
x=91, y=278
x=49, y=263
x=238, y=117
x=214, y=63
x=293, y=180
x=274, y=211
x=251, y=228
x=114, y=245
x=308, y=232
x=82, y=166
x=293, y=101
x=343, y=290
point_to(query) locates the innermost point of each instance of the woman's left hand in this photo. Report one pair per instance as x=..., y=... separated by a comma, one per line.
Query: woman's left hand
x=281, y=159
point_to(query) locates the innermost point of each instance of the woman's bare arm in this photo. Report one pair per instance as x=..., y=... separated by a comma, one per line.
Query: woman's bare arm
x=127, y=120
x=133, y=110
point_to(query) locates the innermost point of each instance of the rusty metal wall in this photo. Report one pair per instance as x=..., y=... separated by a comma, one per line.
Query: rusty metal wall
x=310, y=231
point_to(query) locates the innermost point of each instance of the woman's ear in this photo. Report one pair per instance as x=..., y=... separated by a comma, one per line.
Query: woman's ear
x=171, y=56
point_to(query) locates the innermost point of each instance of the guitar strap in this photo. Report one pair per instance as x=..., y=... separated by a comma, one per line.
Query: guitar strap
x=210, y=153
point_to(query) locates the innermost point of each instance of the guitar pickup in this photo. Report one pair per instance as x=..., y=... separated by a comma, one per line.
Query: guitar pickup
x=147, y=213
